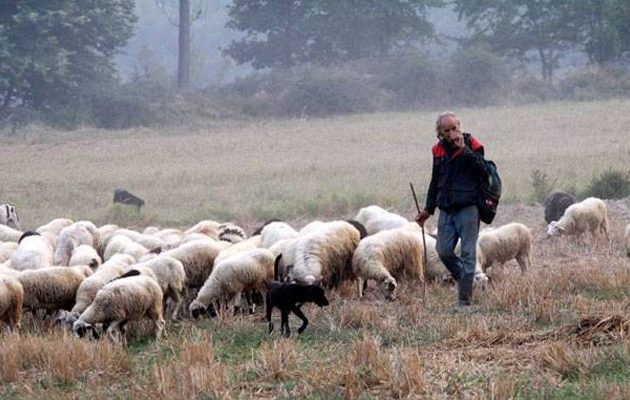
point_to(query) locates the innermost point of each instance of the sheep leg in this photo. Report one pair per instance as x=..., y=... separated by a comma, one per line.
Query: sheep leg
x=112, y=329
x=159, y=327
x=360, y=287
x=284, y=324
x=296, y=310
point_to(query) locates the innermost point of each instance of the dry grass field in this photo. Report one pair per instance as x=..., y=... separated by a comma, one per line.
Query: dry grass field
x=560, y=332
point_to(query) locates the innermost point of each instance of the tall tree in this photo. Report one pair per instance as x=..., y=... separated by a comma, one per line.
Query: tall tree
x=49, y=49
x=290, y=32
x=518, y=28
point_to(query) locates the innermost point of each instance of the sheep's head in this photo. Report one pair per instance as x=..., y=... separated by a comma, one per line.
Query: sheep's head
x=389, y=285
x=197, y=309
x=81, y=328
x=553, y=229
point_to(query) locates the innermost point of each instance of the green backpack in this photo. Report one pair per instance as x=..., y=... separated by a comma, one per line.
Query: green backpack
x=490, y=193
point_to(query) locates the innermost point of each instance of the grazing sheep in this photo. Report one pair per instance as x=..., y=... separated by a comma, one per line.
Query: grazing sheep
x=359, y=227
x=171, y=237
x=197, y=258
x=81, y=232
x=234, y=249
x=244, y=272
x=311, y=227
x=169, y=274
x=9, y=217
x=33, y=252
x=324, y=256
x=121, y=301
x=286, y=248
x=207, y=227
x=555, y=204
x=52, y=288
x=85, y=255
x=11, y=300
x=274, y=232
x=388, y=256
x=111, y=269
x=627, y=240
x=376, y=219
x=9, y=234
x=6, y=270
x=6, y=248
x=122, y=244
x=511, y=241
x=589, y=215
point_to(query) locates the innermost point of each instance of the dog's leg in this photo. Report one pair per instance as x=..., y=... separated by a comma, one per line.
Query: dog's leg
x=284, y=314
x=296, y=310
x=269, y=311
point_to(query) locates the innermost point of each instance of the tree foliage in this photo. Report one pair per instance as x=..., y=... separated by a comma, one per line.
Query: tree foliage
x=281, y=33
x=50, y=49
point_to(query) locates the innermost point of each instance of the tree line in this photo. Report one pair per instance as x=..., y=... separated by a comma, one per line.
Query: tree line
x=57, y=56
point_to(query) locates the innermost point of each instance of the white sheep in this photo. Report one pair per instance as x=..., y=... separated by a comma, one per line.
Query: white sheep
x=376, y=219
x=237, y=248
x=120, y=301
x=324, y=256
x=11, y=300
x=9, y=216
x=286, y=248
x=55, y=226
x=8, y=234
x=510, y=241
x=34, y=251
x=388, y=256
x=81, y=232
x=207, y=227
x=169, y=274
x=197, y=258
x=311, y=227
x=122, y=244
x=589, y=215
x=274, y=232
x=229, y=232
x=6, y=248
x=627, y=240
x=85, y=255
x=244, y=272
x=52, y=288
x=111, y=269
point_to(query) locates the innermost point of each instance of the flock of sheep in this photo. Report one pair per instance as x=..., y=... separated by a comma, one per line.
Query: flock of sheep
x=96, y=279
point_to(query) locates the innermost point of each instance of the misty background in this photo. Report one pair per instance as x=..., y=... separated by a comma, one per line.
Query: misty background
x=124, y=63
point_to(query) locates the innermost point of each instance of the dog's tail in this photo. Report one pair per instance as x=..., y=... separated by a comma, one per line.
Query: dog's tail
x=276, y=267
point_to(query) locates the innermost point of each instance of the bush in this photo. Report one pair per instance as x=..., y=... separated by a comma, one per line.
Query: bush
x=610, y=184
x=595, y=83
x=541, y=184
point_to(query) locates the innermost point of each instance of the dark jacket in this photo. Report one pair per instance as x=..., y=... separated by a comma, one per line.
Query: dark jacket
x=456, y=175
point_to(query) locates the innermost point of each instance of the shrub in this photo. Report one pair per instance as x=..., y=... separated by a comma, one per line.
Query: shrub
x=595, y=83
x=541, y=184
x=611, y=184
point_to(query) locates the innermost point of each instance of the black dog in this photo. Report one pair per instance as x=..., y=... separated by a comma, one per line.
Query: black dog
x=289, y=297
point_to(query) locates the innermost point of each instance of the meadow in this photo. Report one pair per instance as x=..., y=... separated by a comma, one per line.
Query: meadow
x=560, y=331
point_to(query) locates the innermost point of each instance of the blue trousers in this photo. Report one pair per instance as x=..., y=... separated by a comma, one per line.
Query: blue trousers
x=460, y=225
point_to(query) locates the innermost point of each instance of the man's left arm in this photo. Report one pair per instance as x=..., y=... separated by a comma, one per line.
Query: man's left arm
x=473, y=156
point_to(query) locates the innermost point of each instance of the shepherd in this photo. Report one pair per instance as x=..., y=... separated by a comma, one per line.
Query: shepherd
x=458, y=168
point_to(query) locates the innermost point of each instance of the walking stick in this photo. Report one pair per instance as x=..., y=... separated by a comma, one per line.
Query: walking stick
x=424, y=244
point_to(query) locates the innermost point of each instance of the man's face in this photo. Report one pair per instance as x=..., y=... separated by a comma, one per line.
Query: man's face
x=449, y=128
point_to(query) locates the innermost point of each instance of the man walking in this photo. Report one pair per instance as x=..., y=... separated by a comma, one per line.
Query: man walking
x=458, y=167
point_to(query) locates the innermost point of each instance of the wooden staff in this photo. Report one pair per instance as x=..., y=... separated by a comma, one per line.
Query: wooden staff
x=424, y=243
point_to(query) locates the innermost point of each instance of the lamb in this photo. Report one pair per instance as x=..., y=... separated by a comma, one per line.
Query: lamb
x=274, y=232
x=376, y=219
x=207, y=227
x=55, y=226
x=229, y=232
x=9, y=234
x=52, y=288
x=555, y=205
x=387, y=256
x=11, y=300
x=197, y=258
x=82, y=232
x=325, y=256
x=9, y=217
x=589, y=215
x=121, y=301
x=511, y=241
x=122, y=244
x=85, y=255
x=627, y=240
x=169, y=274
x=111, y=269
x=33, y=252
x=240, y=273
x=6, y=248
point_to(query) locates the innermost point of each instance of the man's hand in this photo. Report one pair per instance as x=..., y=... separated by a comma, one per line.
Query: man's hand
x=422, y=217
x=457, y=139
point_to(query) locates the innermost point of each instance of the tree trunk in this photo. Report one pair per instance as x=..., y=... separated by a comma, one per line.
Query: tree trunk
x=183, y=67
